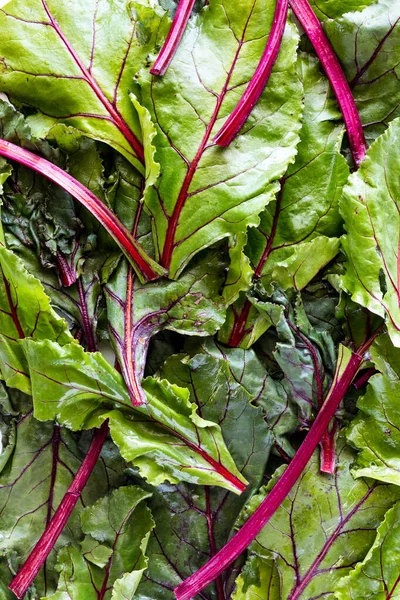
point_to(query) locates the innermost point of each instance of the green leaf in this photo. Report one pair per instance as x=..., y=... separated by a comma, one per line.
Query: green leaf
x=25, y=311
x=298, y=233
x=191, y=306
x=325, y=526
x=53, y=59
x=367, y=44
x=246, y=368
x=375, y=430
x=258, y=580
x=377, y=576
x=32, y=484
x=371, y=212
x=165, y=438
x=200, y=520
x=332, y=9
x=206, y=193
x=120, y=522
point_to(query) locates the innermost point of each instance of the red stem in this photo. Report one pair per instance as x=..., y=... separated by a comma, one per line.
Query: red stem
x=334, y=72
x=232, y=550
x=39, y=554
x=174, y=37
x=363, y=378
x=260, y=78
x=146, y=267
x=328, y=449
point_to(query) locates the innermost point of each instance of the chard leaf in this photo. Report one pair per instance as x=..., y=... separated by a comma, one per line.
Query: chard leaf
x=325, y=526
x=288, y=250
x=377, y=576
x=206, y=193
x=191, y=306
x=120, y=522
x=33, y=482
x=53, y=59
x=258, y=580
x=25, y=311
x=371, y=212
x=192, y=523
x=375, y=429
x=367, y=44
x=165, y=438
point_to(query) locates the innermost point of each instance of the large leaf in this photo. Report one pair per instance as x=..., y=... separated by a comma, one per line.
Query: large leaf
x=25, y=311
x=165, y=438
x=192, y=306
x=376, y=429
x=325, y=526
x=117, y=529
x=367, y=44
x=192, y=523
x=299, y=230
x=371, y=212
x=206, y=193
x=377, y=577
x=33, y=481
x=53, y=59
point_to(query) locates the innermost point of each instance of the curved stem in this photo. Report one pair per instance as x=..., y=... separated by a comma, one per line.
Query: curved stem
x=260, y=78
x=174, y=37
x=39, y=554
x=232, y=550
x=142, y=263
x=337, y=79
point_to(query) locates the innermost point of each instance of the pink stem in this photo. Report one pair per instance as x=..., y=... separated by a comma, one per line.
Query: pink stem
x=328, y=449
x=232, y=550
x=139, y=259
x=41, y=551
x=260, y=79
x=174, y=37
x=334, y=72
x=363, y=378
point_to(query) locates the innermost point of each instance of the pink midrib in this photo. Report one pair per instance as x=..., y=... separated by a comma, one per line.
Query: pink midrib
x=194, y=584
x=334, y=72
x=115, y=115
x=183, y=194
x=106, y=217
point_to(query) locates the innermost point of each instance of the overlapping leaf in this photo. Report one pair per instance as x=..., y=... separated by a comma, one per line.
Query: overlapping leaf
x=192, y=305
x=25, y=312
x=206, y=193
x=299, y=230
x=372, y=220
x=367, y=44
x=375, y=430
x=53, y=59
x=378, y=576
x=112, y=561
x=325, y=526
x=333, y=9
x=165, y=438
x=192, y=523
x=35, y=477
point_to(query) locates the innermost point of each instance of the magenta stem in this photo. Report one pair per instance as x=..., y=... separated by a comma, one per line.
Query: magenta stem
x=232, y=550
x=41, y=551
x=174, y=37
x=334, y=72
x=328, y=449
x=363, y=378
x=141, y=262
x=260, y=78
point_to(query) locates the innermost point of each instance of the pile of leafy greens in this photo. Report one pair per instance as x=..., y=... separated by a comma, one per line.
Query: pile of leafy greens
x=199, y=299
